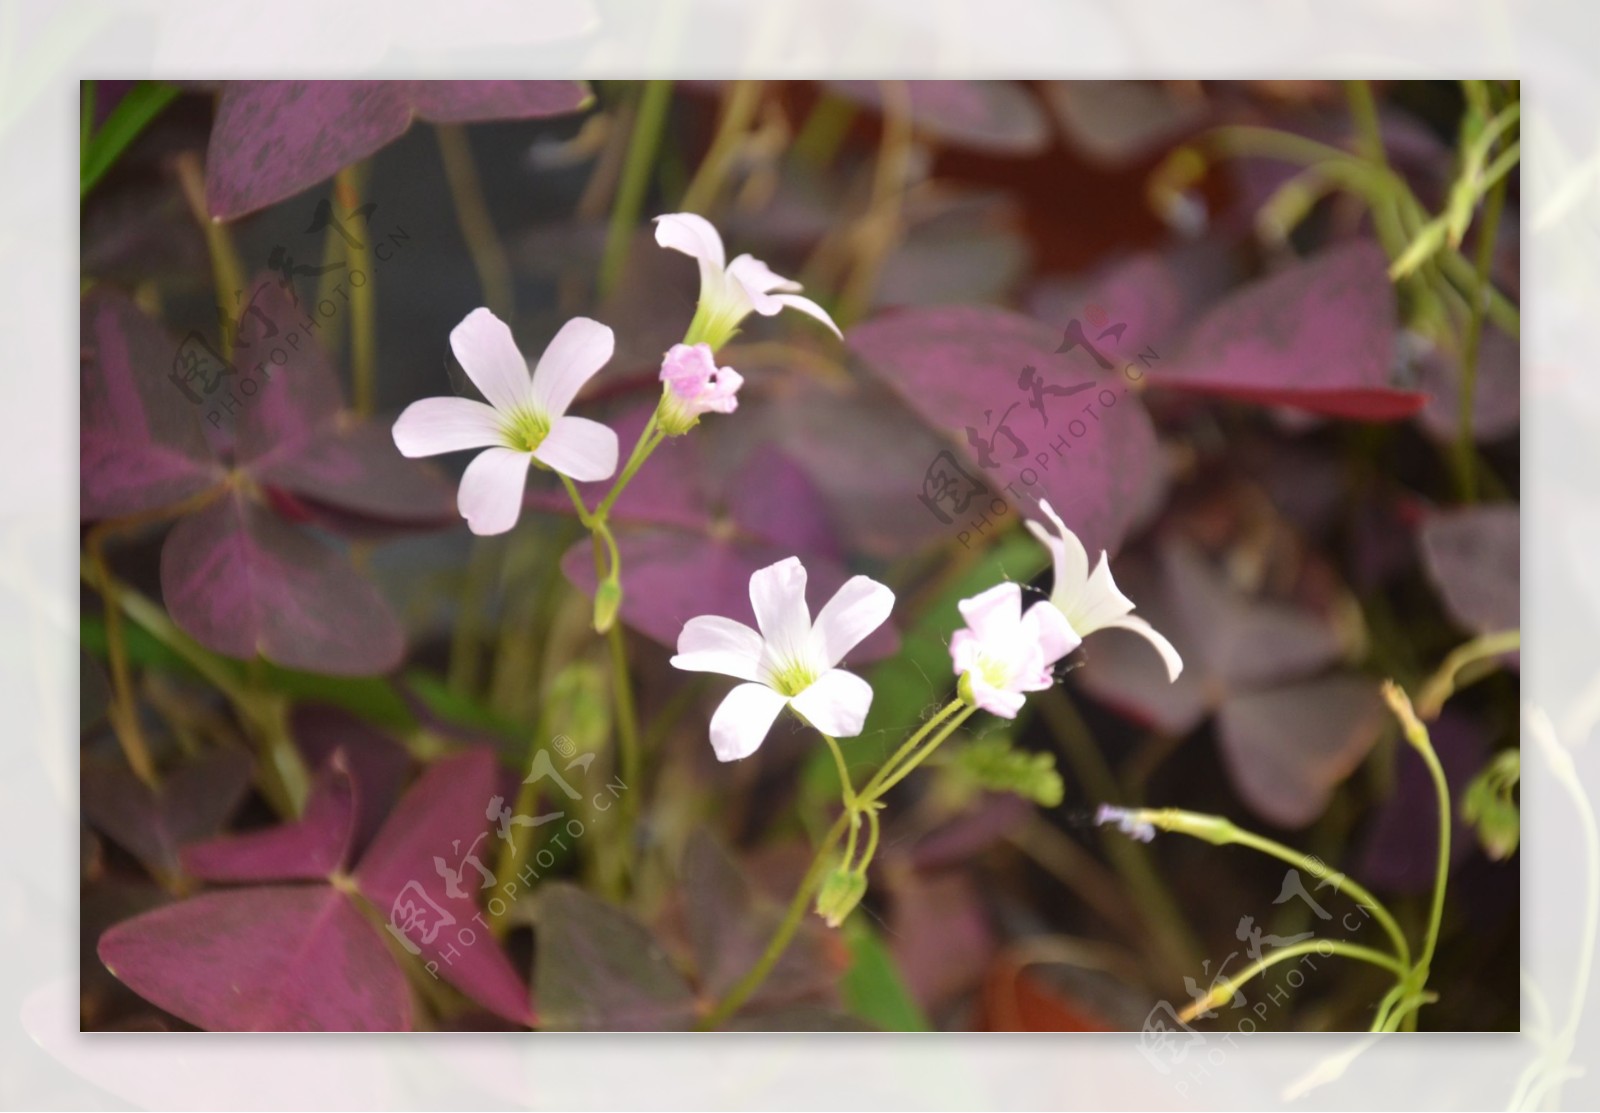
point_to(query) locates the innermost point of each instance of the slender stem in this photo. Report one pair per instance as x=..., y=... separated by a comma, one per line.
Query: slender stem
x=649, y=440
x=917, y=736
x=879, y=230
x=744, y=97
x=843, y=768
x=884, y=781
x=1221, y=832
x=125, y=716
x=874, y=833
x=1466, y=450
x=747, y=985
x=1444, y=683
x=627, y=718
x=472, y=215
x=1222, y=994
x=363, y=312
x=641, y=157
x=1441, y=875
x=226, y=270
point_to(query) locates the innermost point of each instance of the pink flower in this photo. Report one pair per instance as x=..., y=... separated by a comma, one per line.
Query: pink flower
x=695, y=385
x=1006, y=651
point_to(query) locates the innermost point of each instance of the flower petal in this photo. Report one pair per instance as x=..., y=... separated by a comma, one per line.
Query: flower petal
x=693, y=235
x=836, y=703
x=758, y=279
x=490, y=498
x=711, y=643
x=1101, y=602
x=573, y=357
x=996, y=701
x=740, y=725
x=489, y=355
x=993, y=615
x=858, y=608
x=580, y=449
x=1169, y=655
x=810, y=309
x=1070, y=562
x=435, y=425
x=778, y=596
x=1056, y=636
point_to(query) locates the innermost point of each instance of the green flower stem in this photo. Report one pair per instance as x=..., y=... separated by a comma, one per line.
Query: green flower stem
x=747, y=985
x=1225, y=992
x=1466, y=454
x=363, y=307
x=650, y=439
x=844, y=770
x=911, y=743
x=636, y=168
x=629, y=757
x=1446, y=680
x=1221, y=832
x=886, y=779
x=472, y=216
x=744, y=97
x=1441, y=874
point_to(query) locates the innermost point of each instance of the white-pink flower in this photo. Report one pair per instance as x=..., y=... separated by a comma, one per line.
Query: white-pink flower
x=790, y=662
x=695, y=385
x=1005, y=651
x=730, y=292
x=1092, y=602
x=524, y=421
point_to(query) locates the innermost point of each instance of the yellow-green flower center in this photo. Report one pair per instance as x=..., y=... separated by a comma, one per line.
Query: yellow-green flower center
x=524, y=430
x=792, y=678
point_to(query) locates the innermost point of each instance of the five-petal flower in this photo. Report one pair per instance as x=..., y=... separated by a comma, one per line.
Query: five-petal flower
x=792, y=661
x=730, y=292
x=1091, y=601
x=525, y=419
x=1005, y=651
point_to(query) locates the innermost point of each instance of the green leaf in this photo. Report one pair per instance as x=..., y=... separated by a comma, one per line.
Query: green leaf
x=1489, y=805
x=992, y=764
x=872, y=986
x=132, y=115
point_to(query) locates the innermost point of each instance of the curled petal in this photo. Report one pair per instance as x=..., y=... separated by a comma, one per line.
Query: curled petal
x=1055, y=634
x=836, y=703
x=489, y=355
x=856, y=610
x=711, y=643
x=1169, y=655
x=741, y=723
x=1100, y=603
x=434, y=425
x=693, y=235
x=580, y=449
x=490, y=498
x=1070, y=561
x=573, y=357
x=810, y=309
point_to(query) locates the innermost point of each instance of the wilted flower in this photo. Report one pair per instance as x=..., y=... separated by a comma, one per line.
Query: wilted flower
x=1006, y=651
x=790, y=662
x=730, y=292
x=1091, y=601
x=695, y=385
x=525, y=420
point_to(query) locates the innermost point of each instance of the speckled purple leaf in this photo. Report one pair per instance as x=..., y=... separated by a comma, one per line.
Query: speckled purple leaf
x=1474, y=557
x=992, y=117
x=960, y=367
x=442, y=826
x=1317, y=336
x=1401, y=848
x=241, y=582
x=297, y=958
x=273, y=139
x=600, y=970
x=140, y=440
x=1288, y=748
x=307, y=849
x=193, y=802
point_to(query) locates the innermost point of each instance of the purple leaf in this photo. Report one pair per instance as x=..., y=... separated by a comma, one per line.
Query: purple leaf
x=296, y=958
x=193, y=802
x=730, y=926
x=378, y=764
x=355, y=467
x=993, y=117
x=309, y=849
x=1288, y=748
x=601, y=970
x=1317, y=336
x=273, y=139
x=1119, y=123
x=441, y=827
x=1474, y=557
x=1496, y=395
x=241, y=582
x=141, y=443
x=960, y=369
x=1402, y=845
